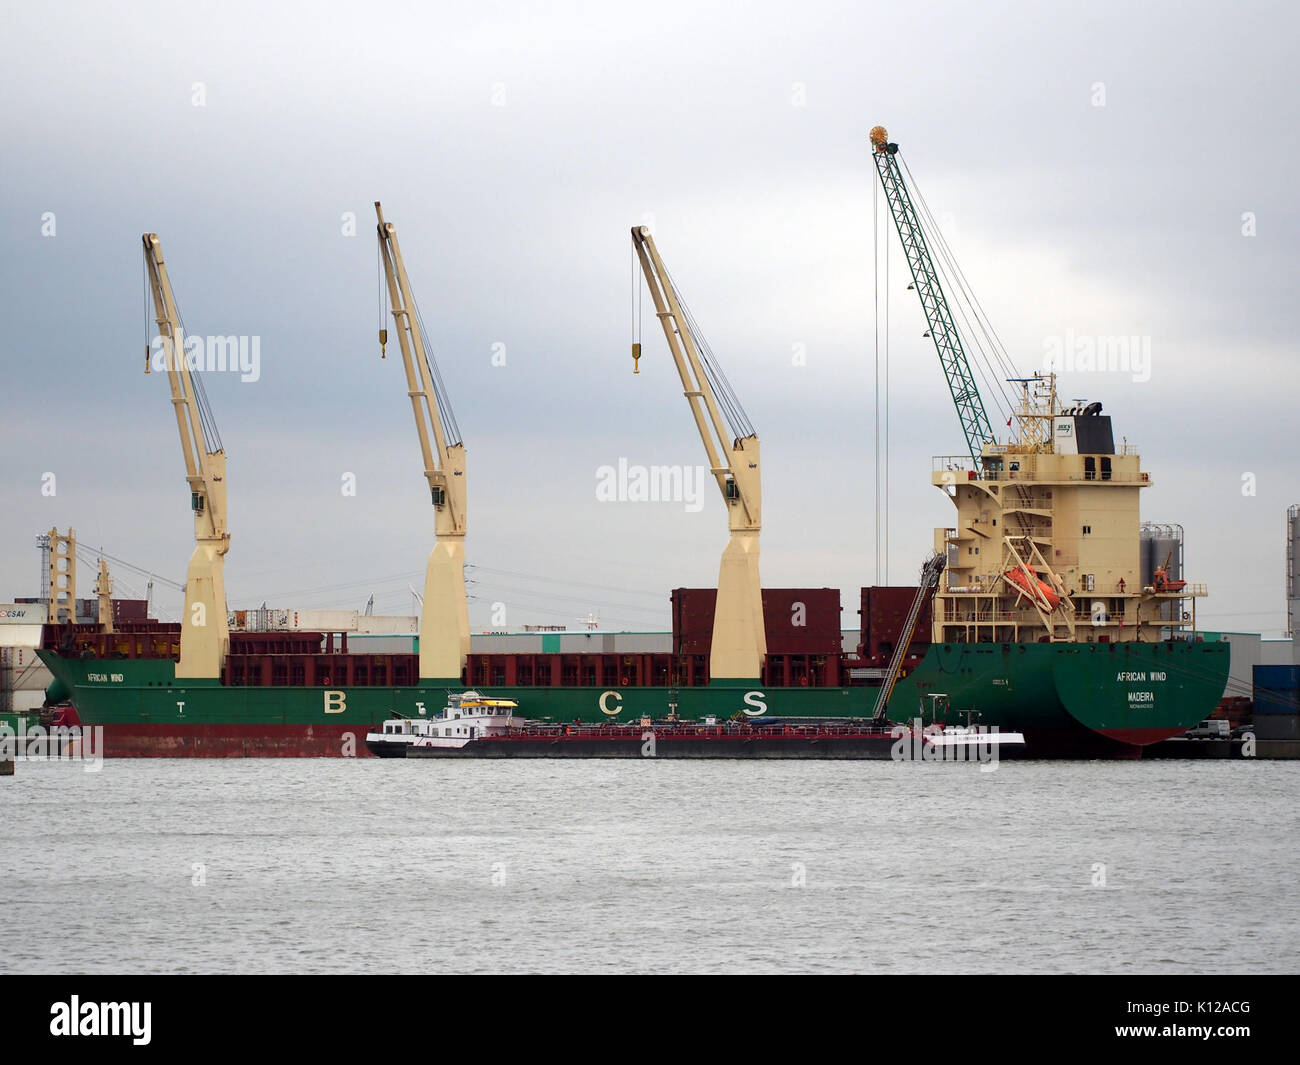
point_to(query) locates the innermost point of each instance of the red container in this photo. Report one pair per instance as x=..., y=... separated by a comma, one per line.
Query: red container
x=797, y=620
x=130, y=609
x=884, y=612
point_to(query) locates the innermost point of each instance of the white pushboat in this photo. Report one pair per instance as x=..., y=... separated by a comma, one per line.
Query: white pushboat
x=467, y=716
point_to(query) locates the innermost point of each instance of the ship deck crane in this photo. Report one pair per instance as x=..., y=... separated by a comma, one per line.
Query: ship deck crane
x=1025, y=567
x=444, y=610
x=739, y=637
x=942, y=329
x=205, y=635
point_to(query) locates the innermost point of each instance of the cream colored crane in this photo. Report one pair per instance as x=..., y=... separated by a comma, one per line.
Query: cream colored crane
x=444, y=616
x=205, y=636
x=739, y=637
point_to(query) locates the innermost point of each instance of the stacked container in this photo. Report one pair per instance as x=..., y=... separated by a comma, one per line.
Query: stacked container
x=1277, y=702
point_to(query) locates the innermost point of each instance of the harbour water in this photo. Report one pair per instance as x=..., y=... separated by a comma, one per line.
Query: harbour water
x=539, y=866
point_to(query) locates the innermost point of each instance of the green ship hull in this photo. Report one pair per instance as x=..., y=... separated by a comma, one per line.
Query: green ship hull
x=1070, y=700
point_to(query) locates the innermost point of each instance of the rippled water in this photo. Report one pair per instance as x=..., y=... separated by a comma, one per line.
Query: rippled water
x=380, y=866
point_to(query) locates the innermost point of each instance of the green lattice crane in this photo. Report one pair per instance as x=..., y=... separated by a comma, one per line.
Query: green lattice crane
x=952, y=356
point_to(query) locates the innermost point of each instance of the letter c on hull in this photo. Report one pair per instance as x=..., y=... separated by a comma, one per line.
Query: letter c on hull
x=604, y=708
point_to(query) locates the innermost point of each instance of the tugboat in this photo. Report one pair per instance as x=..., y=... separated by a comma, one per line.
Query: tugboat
x=467, y=716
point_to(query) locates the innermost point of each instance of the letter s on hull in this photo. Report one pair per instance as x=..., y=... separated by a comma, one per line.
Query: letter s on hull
x=335, y=702
x=755, y=704
x=604, y=707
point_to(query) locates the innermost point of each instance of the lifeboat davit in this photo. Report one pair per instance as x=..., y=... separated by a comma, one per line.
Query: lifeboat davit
x=1037, y=590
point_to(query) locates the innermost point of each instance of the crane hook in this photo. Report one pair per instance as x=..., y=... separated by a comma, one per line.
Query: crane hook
x=636, y=358
x=383, y=343
x=146, y=358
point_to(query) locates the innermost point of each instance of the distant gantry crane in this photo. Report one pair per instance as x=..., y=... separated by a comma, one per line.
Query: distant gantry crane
x=205, y=635
x=731, y=444
x=444, y=609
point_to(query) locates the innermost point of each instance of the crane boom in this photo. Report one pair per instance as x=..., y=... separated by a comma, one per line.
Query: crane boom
x=952, y=356
x=205, y=635
x=930, y=573
x=444, y=620
x=731, y=445
x=733, y=456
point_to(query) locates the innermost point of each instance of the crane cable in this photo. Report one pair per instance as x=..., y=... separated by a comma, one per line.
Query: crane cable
x=381, y=290
x=737, y=420
x=875, y=321
x=451, y=430
x=636, y=292
x=881, y=393
x=149, y=331
x=884, y=467
x=993, y=362
x=207, y=420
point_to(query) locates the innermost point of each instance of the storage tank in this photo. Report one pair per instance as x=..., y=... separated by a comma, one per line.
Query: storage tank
x=1161, y=541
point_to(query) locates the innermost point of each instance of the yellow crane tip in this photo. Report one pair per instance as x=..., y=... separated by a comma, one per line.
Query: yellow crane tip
x=879, y=137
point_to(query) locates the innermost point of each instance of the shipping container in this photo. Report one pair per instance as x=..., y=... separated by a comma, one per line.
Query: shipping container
x=1268, y=701
x=506, y=643
x=388, y=624
x=130, y=609
x=1277, y=678
x=365, y=644
x=884, y=611
x=323, y=620
x=1277, y=727
x=798, y=621
x=692, y=610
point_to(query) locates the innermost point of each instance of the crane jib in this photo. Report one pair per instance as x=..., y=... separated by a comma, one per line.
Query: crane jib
x=925, y=278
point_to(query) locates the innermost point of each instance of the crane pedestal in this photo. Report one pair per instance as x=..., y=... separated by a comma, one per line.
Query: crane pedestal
x=739, y=636
x=205, y=634
x=444, y=618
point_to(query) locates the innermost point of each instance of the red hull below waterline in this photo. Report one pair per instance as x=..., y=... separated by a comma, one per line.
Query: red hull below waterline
x=1141, y=737
x=235, y=741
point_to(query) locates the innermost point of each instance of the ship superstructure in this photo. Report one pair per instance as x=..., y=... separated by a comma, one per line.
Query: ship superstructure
x=1046, y=541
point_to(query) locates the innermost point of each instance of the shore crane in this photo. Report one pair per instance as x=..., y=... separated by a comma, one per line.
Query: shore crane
x=444, y=610
x=739, y=636
x=925, y=279
x=205, y=634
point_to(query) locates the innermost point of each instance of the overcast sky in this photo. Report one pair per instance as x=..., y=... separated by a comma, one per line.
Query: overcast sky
x=1092, y=164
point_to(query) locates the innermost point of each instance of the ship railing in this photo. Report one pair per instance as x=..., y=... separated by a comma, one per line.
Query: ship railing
x=978, y=587
x=629, y=730
x=960, y=466
x=980, y=617
x=1114, y=477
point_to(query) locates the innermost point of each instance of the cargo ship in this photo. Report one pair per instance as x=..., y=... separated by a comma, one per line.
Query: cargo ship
x=1114, y=665
x=1045, y=618
x=1097, y=657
